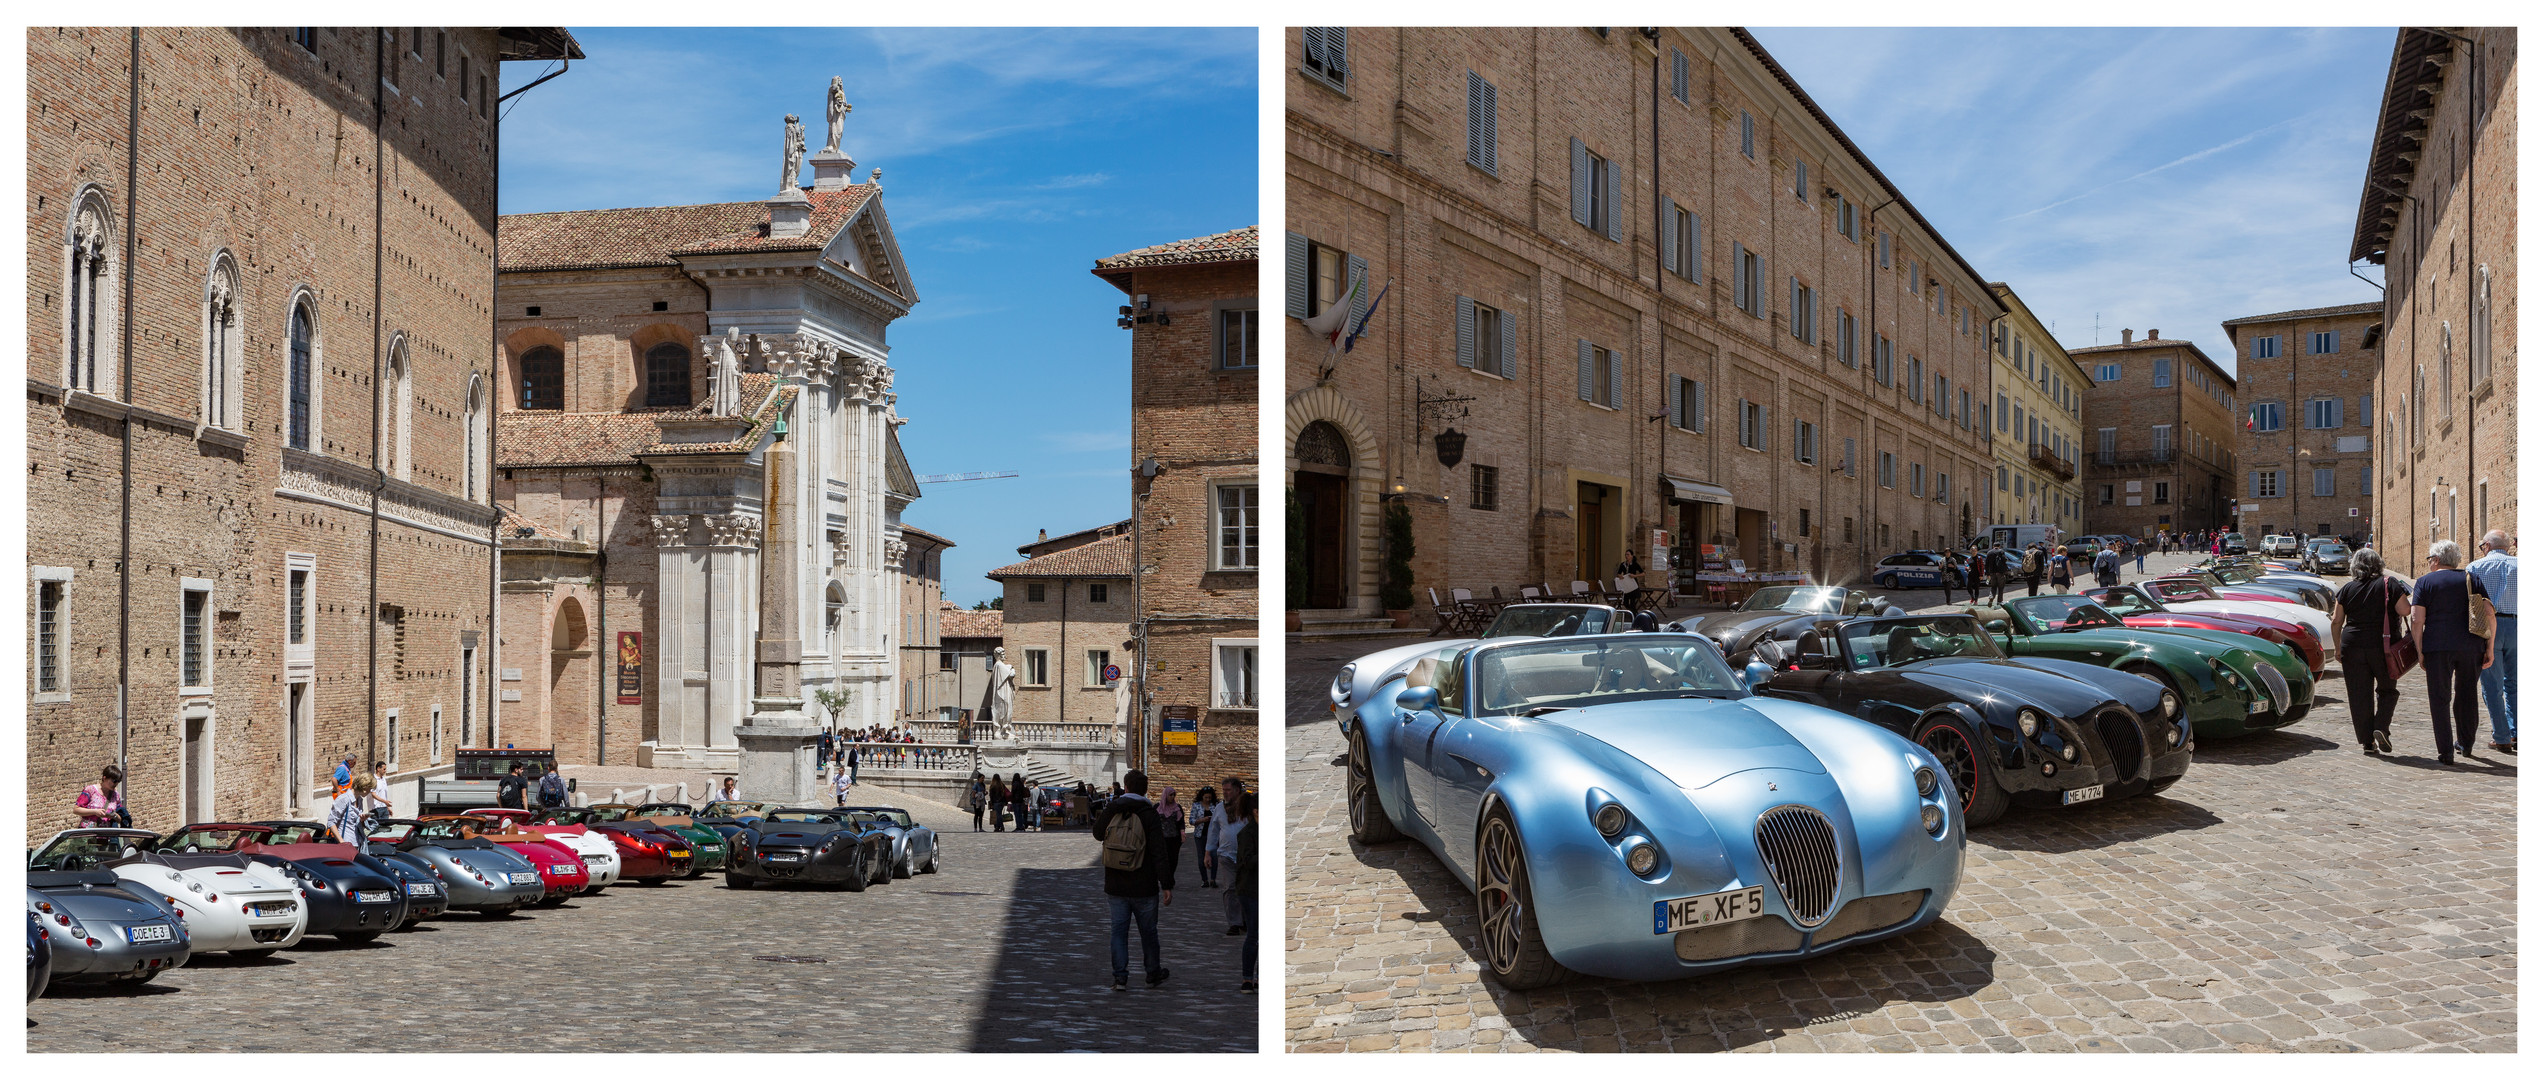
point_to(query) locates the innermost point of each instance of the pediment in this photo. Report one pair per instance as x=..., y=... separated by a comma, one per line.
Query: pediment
x=865, y=247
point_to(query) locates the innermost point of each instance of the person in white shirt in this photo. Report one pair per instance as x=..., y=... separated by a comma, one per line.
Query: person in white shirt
x=349, y=816
x=2497, y=571
x=732, y=790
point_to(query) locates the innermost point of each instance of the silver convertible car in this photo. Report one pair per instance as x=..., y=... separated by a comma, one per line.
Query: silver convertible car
x=913, y=844
x=1623, y=806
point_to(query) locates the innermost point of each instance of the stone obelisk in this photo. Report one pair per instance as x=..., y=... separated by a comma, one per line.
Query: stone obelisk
x=778, y=738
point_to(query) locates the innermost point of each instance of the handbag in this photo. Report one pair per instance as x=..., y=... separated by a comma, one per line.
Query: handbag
x=2400, y=654
x=2481, y=616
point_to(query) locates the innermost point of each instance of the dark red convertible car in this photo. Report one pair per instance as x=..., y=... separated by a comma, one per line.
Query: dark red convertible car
x=2136, y=607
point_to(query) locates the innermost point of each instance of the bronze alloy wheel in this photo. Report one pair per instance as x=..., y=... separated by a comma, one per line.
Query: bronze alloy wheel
x=1952, y=742
x=1369, y=823
x=1512, y=948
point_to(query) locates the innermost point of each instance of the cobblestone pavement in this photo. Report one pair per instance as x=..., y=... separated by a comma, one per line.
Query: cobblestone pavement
x=2289, y=894
x=1004, y=950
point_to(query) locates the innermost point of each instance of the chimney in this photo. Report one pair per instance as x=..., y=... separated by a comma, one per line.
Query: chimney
x=1041, y=535
x=2153, y=333
x=2126, y=335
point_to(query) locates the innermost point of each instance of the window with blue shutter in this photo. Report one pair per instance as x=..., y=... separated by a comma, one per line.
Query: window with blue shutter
x=1587, y=360
x=1678, y=76
x=1325, y=57
x=1580, y=183
x=1677, y=402
x=1357, y=269
x=1616, y=379
x=1613, y=212
x=1748, y=135
x=1296, y=271
x=1482, y=147
x=1850, y=455
x=1465, y=332
x=1669, y=234
x=1508, y=331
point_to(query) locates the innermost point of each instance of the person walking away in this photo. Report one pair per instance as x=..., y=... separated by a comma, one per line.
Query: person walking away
x=2000, y=566
x=2106, y=565
x=998, y=804
x=510, y=790
x=344, y=775
x=1242, y=886
x=101, y=805
x=2033, y=567
x=2141, y=551
x=1023, y=796
x=1170, y=820
x=2367, y=613
x=2441, y=610
x=1136, y=881
x=2060, y=573
x=1224, y=848
x=853, y=750
x=976, y=800
x=551, y=790
x=1205, y=818
x=2497, y=571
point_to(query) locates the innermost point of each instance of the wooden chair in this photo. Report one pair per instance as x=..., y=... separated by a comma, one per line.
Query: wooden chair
x=1471, y=616
x=1530, y=594
x=1444, y=617
x=1581, y=590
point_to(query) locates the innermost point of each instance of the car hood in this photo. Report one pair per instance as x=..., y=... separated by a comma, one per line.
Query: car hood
x=1692, y=741
x=1975, y=679
x=793, y=835
x=1738, y=625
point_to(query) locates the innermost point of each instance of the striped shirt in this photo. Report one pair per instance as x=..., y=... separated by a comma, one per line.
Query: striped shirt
x=2497, y=571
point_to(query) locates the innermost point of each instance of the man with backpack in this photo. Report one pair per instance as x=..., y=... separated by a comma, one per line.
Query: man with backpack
x=509, y=790
x=1136, y=881
x=2032, y=567
x=2106, y=564
x=552, y=790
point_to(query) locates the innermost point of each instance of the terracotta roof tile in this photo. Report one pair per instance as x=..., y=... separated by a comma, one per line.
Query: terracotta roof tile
x=908, y=529
x=2308, y=313
x=655, y=235
x=1109, y=557
x=1235, y=245
x=954, y=622
x=539, y=438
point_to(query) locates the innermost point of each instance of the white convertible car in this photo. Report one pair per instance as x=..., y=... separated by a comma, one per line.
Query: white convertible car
x=599, y=853
x=230, y=903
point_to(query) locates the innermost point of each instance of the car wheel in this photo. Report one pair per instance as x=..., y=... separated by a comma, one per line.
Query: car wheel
x=859, y=875
x=1885, y=582
x=358, y=937
x=882, y=863
x=901, y=869
x=1369, y=821
x=931, y=863
x=1512, y=947
x=1951, y=741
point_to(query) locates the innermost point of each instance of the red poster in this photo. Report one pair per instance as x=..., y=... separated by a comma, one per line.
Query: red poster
x=631, y=667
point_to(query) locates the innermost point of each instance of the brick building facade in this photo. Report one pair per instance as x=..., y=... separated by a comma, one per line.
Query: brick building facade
x=2305, y=428
x=2160, y=438
x=921, y=695
x=260, y=278
x=1196, y=493
x=2439, y=213
x=1068, y=611
x=1651, y=295
x=2038, y=423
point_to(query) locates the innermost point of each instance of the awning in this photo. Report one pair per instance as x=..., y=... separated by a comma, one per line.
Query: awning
x=1695, y=491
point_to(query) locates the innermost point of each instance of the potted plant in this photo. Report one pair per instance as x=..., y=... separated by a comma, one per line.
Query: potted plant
x=1296, y=559
x=1396, y=592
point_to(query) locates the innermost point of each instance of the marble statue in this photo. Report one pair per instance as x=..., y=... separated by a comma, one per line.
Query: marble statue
x=838, y=110
x=999, y=705
x=793, y=180
x=875, y=178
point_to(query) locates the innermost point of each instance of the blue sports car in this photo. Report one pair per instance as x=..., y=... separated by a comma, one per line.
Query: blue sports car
x=1623, y=806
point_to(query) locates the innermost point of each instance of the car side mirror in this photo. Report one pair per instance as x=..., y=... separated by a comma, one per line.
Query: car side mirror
x=1419, y=699
x=1754, y=677
x=1997, y=626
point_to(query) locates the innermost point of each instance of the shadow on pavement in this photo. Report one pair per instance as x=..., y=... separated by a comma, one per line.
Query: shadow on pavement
x=2263, y=748
x=2052, y=829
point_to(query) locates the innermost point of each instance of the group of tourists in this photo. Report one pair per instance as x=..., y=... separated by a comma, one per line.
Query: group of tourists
x=1995, y=567
x=1140, y=855
x=2458, y=622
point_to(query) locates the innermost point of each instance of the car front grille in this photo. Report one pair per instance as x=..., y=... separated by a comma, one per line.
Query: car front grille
x=2123, y=740
x=1744, y=938
x=2276, y=684
x=1870, y=913
x=1801, y=853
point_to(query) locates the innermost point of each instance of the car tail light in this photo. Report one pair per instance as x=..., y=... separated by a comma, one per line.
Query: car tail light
x=62, y=919
x=92, y=943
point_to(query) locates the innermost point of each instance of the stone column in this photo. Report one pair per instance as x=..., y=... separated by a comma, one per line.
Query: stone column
x=777, y=741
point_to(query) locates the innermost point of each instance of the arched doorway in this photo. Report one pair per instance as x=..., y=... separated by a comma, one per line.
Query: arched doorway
x=570, y=687
x=1323, y=486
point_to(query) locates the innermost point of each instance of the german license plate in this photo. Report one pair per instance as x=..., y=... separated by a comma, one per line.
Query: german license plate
x=380, y=897
x=785, y=858
x=1690, y=912
x=150, y=932
x=273, y=908
x=2082, y=794
x=418, y=888
x=525, y=877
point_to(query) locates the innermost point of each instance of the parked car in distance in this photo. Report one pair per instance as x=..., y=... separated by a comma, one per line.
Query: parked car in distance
x=2279, y=544
x=1781, y=613
x=561, y=872
x=814, y=846
x=599, y=853
x=913, y=849
x=1909, y=570
x=2327, y=555
x=648, y=853
x=345, y=898
x=477, y=874
x=2229, y=684
x=2136, y=607
x=708, y=845
x=424, y=896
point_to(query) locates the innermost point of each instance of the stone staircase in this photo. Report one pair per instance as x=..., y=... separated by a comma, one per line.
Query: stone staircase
x=1329, y=625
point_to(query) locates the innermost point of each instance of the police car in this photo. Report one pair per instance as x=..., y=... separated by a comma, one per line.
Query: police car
x=1910, y=570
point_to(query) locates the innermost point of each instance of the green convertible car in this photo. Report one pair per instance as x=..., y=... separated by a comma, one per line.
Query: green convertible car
x=707, y=843
x=2232, y=684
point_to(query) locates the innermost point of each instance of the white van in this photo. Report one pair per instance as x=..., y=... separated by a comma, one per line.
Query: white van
x=2022, y=536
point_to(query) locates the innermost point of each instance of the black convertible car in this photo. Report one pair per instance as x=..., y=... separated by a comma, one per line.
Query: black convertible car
x=425, y=898
x=838, y=848
x=2002, y=726
x=1783, y=613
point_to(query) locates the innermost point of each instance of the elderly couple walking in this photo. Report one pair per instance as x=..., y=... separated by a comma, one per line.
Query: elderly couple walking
x=2459, y=621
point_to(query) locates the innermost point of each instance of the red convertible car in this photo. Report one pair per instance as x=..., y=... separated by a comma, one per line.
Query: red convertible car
x=2136, y=607
x=561, y=872
x=646, y=852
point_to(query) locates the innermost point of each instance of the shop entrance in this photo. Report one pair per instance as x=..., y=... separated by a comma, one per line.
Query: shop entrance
x=1323, y=484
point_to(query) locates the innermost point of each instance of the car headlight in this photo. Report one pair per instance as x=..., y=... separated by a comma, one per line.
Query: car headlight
x=1926, y=782
x=1610, y=819
x=2068, y=751
x=1932, y=818
x=2030, y=722
x=1343, y=684
x=2228, y=676
x=1642, y=858
x=2172, y=705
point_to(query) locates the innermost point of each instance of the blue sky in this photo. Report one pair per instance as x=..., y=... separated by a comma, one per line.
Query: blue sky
x=2167, y=179
x=1012, y=159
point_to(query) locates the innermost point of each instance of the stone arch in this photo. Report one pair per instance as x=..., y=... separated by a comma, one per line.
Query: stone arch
x=304, y=367
x=571, y=686
x=642, y=347
x=397, y=410
x=1355, y=521
x=517, y=347
x=92, y=269
x=221, y=369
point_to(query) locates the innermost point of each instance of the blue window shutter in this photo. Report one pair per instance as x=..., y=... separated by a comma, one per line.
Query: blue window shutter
x=1678, y=75
x=1695, y=249
x=1337, y=42
x=1793, y=304
x=1669, y=233
x=1616, y=203
x=1580, y=183
x=1616, y=379
x=1586, y=361
x=1492, y=129
x=1510, y=345
x=2336, y=413
x=1465, y=332
x=1357, y=269
x=1696, y=409
x=1739, y=276
x=1297, y=273
x=1677, y=413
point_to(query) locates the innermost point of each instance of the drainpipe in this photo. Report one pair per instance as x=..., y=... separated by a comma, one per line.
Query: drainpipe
x=123, y=328
x=600, y=615
x=379, y=479
x=1872, y=361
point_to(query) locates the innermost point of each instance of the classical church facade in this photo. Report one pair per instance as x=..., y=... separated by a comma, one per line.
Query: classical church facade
x=651, y=356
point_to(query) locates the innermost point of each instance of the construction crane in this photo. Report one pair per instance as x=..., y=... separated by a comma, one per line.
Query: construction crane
x=952, y=477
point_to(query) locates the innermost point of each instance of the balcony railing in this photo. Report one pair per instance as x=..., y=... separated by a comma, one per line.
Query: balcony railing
x=1065, y=733
x=2049, y=461
x=928, y=757
x=2134, y=457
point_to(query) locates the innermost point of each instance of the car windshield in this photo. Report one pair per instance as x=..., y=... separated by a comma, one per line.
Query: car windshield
x=455, y=828
x=804, y=816
x=211, y=839
x=1880, y=643
x=663, y=809
x=733, y=809
x=2062, y=612
x=2124, y=602
x=1798, y=599
x=891, y=817
x=1575, y=673
x=391, y=834
x=565, y=816
x=1547, y=620
x=80, y=851
x=2176, y=591
x=301, y=834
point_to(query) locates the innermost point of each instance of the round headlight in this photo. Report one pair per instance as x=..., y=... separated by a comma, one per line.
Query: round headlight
x=2172, y=705
x=2068, y=751
x=2029, y=721
x=1610, y=819
x=1925, y=782
x=2231, y=678
x=1642, y=858
x=2173, y=736
x=1932, y=817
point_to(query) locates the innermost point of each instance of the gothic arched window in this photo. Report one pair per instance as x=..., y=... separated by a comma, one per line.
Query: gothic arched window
x=87, y=294
x=543, y=378
x=397, y=399
x=220, y=344
x=304, y=335
x=667, y=375
x=476, y=437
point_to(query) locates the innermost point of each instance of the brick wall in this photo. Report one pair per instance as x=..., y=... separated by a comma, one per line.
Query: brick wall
x=1066, y=624
x=2293, y=381
x=2198, y=476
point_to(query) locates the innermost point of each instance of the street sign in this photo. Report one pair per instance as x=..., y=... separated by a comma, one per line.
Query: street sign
x=1112, y=672
x=2354, y=511
x=1179, y=725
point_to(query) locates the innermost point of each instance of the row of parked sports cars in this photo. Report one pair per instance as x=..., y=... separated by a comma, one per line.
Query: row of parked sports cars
x=125, y=905
x=1634, y=800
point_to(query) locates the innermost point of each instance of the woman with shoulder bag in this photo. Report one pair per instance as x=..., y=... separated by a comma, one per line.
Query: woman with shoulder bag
x=2366, y=618
x=998, y=804
x=2453, y=648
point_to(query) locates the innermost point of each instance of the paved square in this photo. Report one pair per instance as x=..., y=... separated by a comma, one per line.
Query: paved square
x=1004, y=950
x=2289, y=894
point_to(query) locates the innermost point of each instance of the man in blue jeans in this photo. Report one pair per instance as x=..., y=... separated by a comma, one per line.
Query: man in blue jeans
x=1135, y=891
x=2497, y=571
